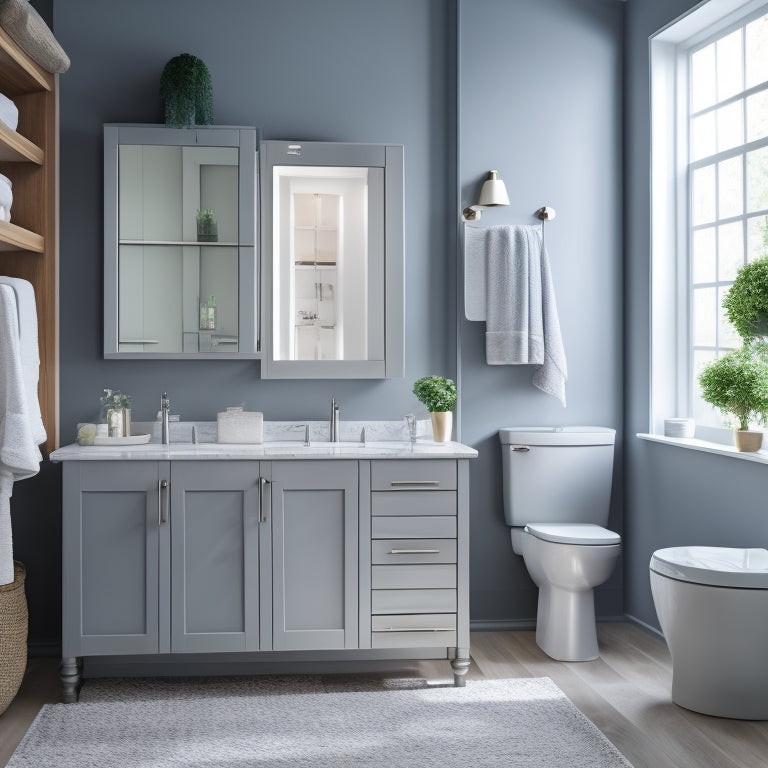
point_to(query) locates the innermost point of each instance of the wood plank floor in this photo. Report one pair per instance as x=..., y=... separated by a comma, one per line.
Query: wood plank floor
x=625, y=693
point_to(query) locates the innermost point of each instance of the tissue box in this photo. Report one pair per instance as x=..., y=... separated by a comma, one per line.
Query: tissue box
x=238, y=426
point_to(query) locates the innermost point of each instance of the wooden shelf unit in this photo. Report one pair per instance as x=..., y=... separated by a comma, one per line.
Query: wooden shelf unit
x=29, y=245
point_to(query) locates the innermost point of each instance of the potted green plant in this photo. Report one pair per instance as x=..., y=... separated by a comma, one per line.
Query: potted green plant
x=187, y=93
x=207, y=228
x=737, y=384
x=439, y=395
x=746, y=303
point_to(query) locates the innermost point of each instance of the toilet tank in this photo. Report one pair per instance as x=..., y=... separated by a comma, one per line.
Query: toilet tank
x=557, y=474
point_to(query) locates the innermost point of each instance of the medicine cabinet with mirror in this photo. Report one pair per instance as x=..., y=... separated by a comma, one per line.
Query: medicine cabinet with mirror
x=182, y=273
x=180, y=268
x=332, y=260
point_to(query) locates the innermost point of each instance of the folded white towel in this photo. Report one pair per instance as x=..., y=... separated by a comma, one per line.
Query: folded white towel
x=508, y=283
x=9, y=112
x=6, y=191
x=19, y=455
x=26, y=308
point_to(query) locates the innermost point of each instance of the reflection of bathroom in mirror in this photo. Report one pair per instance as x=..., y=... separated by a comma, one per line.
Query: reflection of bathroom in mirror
x=327, y=272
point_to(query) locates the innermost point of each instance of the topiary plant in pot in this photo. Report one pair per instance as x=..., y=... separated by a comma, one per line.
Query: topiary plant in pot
x=185, y=88
x=439, y=395
x=737, y=384
x=746, y=303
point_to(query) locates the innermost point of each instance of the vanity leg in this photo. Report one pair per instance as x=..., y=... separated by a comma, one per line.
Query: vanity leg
x=70, y=673
x=460, y=667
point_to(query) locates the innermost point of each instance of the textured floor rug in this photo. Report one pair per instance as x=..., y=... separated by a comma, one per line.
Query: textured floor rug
x=278, y=722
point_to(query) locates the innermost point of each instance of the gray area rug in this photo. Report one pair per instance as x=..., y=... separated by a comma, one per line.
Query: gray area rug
x=264, y=722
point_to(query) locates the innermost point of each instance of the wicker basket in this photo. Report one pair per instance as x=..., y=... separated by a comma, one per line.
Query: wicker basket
x=13, y=636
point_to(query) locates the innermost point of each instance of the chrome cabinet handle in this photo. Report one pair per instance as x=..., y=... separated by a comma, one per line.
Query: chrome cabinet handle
x=521, y=449
x=414, y=482
x=414, y=551
x=162, y=516
x=416, y=629
x=262, y=509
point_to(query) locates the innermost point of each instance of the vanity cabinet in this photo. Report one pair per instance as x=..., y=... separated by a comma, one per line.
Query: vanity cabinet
x=180, y=274
x=315, y=551
x=315, y=558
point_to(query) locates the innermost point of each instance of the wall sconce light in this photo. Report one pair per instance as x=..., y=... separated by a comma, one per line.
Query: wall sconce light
x=492, y=194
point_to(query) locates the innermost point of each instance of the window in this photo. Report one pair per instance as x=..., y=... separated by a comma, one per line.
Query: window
x=709, y=107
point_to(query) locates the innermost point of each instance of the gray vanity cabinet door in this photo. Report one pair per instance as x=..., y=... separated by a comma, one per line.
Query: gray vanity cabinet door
x=315, y=554
x=115, y=555
x=215, y=538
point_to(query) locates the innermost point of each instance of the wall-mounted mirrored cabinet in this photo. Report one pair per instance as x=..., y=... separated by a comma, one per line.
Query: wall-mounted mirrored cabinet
x=332, y=260
x=180, y=269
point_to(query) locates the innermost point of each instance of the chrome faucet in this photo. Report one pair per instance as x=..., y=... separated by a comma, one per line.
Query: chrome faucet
x=165, y=410
x=335, y=418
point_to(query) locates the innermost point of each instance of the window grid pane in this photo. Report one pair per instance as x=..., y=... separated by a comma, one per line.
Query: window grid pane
x=728, y=192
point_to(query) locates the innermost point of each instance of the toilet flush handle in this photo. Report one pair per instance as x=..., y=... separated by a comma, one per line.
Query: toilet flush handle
x=521, y=449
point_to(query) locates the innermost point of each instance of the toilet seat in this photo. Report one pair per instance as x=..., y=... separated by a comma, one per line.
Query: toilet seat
x=573, y=533
x=745, y=568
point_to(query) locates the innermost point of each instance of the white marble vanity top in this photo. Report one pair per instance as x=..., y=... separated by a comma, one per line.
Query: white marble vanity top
x=269, y=451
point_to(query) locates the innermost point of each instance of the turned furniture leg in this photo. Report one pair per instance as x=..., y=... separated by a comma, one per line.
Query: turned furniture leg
x=460, y=667
x=71, y=678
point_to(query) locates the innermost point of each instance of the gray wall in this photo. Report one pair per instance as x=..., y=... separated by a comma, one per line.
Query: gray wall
x=540, y=101
x=673, y=496
x=342, y=70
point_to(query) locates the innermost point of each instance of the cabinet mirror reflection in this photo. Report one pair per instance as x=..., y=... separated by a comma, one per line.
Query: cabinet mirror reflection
x=182, y=252
x=328, y=267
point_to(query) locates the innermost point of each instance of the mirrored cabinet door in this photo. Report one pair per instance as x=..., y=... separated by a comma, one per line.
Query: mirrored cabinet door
x=333, y=260
x=180, y=242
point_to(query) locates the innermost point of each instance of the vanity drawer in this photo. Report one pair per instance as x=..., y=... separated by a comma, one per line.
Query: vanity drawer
x=441, y=576
x=416, y=630
x=413, y=527
x=396, y=551
x=413, y=503
x=409, y=475
x=413, y=601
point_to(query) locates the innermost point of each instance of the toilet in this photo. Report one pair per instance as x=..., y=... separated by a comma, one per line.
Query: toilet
x=712, y=604
x=557, y=492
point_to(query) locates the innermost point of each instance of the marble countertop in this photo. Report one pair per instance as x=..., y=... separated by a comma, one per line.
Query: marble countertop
x=268, y=451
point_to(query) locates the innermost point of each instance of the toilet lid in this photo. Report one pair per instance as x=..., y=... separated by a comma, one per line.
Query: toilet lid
x=573, y=533
x=714, y=566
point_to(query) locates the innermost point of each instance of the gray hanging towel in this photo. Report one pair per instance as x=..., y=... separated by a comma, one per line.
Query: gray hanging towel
x=522, y=325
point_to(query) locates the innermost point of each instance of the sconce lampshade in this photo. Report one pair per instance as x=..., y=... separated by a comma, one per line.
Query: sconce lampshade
x=493, y=192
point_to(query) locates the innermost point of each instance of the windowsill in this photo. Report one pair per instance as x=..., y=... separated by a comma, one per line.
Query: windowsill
x=694, y=444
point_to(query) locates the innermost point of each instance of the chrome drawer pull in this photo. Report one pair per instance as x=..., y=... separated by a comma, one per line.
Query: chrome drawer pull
x=414, y=482
x=416, y=629
x=414, y=551
x=521, y=449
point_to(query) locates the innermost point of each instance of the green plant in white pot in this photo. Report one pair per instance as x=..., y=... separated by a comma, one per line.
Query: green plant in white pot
x=737, y=384
x=439, y=395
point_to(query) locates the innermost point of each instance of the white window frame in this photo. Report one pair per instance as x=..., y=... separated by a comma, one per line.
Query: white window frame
x=671, y=357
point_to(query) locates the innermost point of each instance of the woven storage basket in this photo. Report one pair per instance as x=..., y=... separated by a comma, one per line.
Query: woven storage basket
x=13, y=636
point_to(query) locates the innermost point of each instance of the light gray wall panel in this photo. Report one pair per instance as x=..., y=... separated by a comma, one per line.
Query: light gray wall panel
x=541, y=102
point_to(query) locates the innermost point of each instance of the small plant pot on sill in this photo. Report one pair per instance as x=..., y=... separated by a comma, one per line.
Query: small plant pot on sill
x=748, y=441
x=442, y=425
